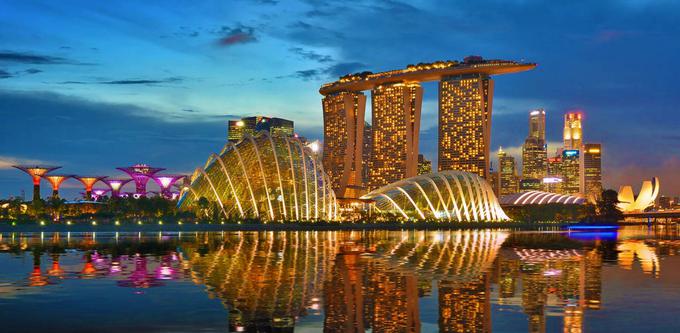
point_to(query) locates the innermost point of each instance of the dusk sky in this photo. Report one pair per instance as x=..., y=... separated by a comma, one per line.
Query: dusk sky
x=95, y=85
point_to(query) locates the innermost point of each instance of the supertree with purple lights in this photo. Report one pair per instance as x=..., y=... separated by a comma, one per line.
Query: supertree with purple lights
x=88, y=182
x=165, y=182
x=140, y=173
x=115, y=185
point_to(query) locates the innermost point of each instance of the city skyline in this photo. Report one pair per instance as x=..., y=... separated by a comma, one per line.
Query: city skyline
x=176, y=82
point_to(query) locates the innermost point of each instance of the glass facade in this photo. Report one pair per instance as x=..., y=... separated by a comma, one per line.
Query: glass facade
x=271, y=178
x=447, y=195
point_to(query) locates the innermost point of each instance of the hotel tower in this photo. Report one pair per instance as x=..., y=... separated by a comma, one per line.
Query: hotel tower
x=465, y=104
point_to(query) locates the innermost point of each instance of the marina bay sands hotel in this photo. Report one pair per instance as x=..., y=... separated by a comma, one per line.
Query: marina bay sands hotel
x=465, y=104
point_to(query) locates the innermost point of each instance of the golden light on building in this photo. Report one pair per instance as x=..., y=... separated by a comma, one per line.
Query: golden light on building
x=628, y=203
x=591, y=173
x=509, y=182
x=534, y=150
x=343, y=114
x=465, y=104
x=573, y=130
x=396, y=129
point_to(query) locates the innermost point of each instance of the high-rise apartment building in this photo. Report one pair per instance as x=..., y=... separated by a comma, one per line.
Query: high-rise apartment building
x=591, y=170
x=424, y=165
x=343, y=145
x=509, y=182
x=573, y=130
x=571, y=179
x=535, y=150
x=396, y=128
x=465, y=103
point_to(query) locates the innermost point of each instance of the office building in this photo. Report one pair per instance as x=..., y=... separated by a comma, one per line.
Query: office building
x=591, y=170
x=277, y=127
x=509, y=182
x=573, y=130
x=237, y=129
x=396, y=129
x=465, y=123
x=571, y=178
x=534, y=150
x=343, y=146
x=424, y=165
x=366, y=152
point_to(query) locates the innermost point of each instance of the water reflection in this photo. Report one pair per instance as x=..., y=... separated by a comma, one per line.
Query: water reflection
x=355, y=281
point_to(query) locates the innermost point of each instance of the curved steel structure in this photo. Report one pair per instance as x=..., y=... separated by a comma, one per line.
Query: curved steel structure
x=272, y=178
x=628, y=203
x=446, y=195
x=539, y=198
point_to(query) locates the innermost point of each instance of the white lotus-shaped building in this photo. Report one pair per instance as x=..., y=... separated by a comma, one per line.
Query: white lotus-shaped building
x=265, y=177
x=628, y=203
x=446, y=195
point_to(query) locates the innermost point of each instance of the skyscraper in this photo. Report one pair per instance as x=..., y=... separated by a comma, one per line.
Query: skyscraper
x=396, y=127
x=366, y=153
x=573, y=131
x=277, y=127
x=571, y=179
x=534, y=150
x=424, y=165
x=343, y=145
x=591, y=173
x=509, y=183
x=237, y=129
x=465, y=123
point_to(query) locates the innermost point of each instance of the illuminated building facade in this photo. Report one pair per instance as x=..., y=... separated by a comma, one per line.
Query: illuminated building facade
x=629, y=203
x=465, y=96
x=495, y=181
x=531, y=184
x=343, y=142
x=465, y=104
x=509, y=182
x=36, y=172
x=366, y=152
x=447, y=195
x=271, y=178
x=277, y=127
x=88, y=182
x=591, y=173
x=396, y=129
x=537, y=124
x=235, y=130
x=115, y=185
x=571, y=171
x=424, y=165
x=56, y=181
x=573, y=130
x=141, y=173
x=553, y=182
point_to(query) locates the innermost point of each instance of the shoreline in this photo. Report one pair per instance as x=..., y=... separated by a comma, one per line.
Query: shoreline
x=518, y=226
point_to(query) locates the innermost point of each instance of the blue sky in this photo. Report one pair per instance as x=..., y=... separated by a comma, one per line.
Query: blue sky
x=95, y=85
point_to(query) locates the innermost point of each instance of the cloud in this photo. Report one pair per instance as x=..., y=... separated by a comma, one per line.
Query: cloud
x=130, y=81
x=28, y=58
x=240, y=34
x=311, y=55
x=325, y=73
x=6, y=162
x=33, y=71
x=5, y=74
x=633, y=174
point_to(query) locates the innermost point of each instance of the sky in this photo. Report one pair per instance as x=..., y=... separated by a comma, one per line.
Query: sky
x=91, y=86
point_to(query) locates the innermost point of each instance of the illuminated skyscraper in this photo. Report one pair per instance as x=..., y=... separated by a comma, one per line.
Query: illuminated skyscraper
x=591, y=170
x=235, y=130
x=534, y=150
x=509, y=182
x=343, y=143
x=366, y=153
x=571, y=179
x=424, y=165
x=465, y=123
x=396, y=127
x=573, y=131
x=36, y=172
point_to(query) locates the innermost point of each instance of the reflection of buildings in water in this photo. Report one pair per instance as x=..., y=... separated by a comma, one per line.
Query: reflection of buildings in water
x=344, y=296
x=565, y=279
x=396, y=302
x=465, y=306
x=631, y=249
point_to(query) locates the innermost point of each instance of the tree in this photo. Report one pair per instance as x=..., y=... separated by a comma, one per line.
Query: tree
x=607, y=208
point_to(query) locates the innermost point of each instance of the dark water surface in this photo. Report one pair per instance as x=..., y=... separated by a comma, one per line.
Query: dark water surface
x=341, y=281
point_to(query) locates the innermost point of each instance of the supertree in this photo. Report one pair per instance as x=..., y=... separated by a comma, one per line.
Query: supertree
x=88, y=182
x=140, y=173
x=36, y=172
x=115, y=185
x=165, y=182
x=56, y=181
